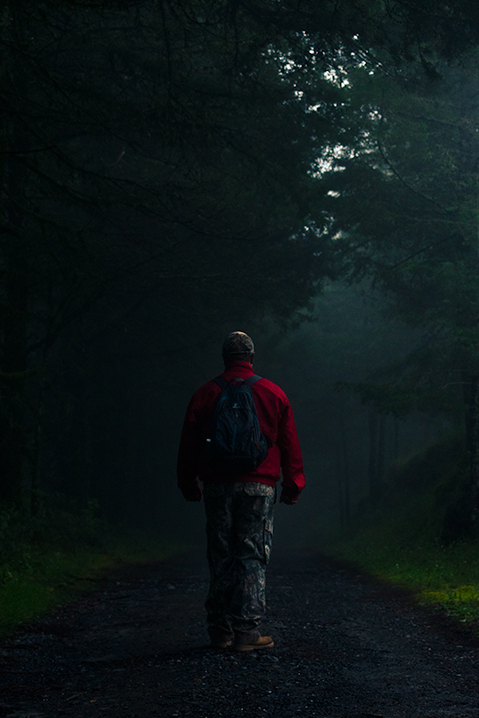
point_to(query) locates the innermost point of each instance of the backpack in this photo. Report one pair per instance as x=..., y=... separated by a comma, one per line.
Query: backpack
x=236, y=444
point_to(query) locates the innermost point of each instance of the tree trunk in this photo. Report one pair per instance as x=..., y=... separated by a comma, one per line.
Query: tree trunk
x=13, y=361
x=381, y=453
x=377, y=454
x=345, y=468
x=470, y=386
x=342, y=521
x=373, y=455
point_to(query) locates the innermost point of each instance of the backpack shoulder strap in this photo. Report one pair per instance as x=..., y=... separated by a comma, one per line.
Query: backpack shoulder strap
x=247, y=382
x=221, y=382
x=252, y=379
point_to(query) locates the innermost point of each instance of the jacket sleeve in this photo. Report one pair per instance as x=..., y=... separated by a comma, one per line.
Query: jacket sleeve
x=291, y=458
x=189, y=453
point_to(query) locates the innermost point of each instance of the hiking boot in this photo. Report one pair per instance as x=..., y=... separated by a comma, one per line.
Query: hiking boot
x=220, y=644
x=262, y=642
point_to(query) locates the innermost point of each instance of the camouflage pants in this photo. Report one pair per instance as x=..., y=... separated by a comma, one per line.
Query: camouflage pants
x=239, y=527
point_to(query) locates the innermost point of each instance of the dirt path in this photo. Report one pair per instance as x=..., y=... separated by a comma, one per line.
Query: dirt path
x=345, y=647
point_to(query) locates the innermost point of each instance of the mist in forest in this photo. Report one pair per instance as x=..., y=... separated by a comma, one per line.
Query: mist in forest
x=141, y=393
x=172, y=172
x=347, y=336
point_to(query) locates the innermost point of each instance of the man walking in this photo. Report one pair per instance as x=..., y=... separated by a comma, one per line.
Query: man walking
x=239, y=506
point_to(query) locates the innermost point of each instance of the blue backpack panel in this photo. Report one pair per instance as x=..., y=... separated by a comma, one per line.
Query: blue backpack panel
x=236, y=445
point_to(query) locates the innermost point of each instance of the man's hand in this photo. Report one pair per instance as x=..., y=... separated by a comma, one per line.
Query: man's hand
x=194, y=494
x=287, y=497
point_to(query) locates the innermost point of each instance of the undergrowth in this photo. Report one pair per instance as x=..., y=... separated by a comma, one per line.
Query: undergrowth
x=403, y=540
x=48, y=559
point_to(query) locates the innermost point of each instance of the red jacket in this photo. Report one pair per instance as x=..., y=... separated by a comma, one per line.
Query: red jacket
x=276, y=421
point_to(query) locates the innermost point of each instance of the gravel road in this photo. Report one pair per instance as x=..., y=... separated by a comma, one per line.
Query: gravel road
x=346, y=646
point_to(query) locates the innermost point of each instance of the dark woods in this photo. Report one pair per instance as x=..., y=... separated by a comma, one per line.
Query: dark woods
x=142, y=183
x=172, y=170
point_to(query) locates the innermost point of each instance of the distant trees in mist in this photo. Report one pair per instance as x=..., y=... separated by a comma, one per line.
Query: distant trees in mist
x=151, y=166
x=417, y=167
x=172, y=169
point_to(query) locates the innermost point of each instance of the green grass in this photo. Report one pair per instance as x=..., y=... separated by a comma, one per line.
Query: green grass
x=411, y=538
x=406, y=551
x=56, y=577
x=48, y=560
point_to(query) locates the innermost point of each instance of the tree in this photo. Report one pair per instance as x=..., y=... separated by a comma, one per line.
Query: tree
x=156, y=162
x=416, y=164
x=141, y=173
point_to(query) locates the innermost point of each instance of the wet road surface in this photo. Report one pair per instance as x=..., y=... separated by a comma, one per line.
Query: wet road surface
x=346, y=646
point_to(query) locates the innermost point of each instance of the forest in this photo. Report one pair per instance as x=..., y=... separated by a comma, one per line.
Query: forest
x=172, y=170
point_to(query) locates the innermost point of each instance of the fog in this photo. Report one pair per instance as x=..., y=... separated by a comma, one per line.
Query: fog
x=135, y=410
x=171, y=173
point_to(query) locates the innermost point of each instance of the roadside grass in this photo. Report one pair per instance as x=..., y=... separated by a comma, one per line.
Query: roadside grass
x=407, y=552
x=50, y=560
x=411, y=537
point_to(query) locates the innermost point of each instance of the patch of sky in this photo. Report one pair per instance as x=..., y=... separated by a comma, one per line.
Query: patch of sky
x=327, y=161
